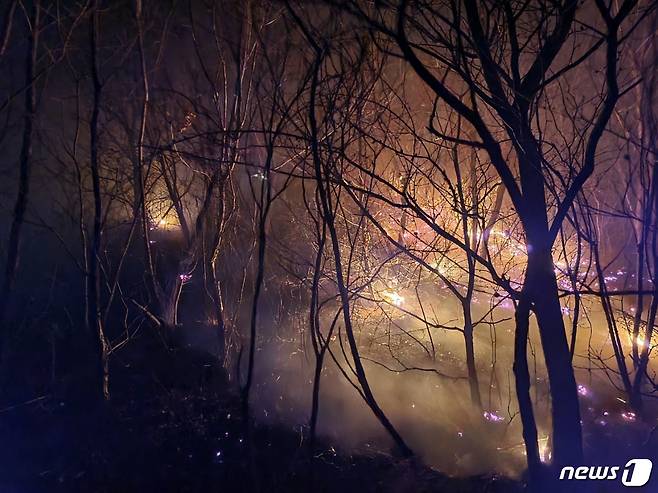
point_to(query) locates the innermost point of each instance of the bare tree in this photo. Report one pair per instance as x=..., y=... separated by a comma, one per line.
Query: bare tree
x=505, y=71
x=94, y=316
x=25, y=163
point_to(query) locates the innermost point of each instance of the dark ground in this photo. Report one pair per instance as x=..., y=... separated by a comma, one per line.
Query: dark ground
x=173, y=425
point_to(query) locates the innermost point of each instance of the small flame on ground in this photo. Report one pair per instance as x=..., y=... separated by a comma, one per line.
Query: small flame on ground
x=492, y=416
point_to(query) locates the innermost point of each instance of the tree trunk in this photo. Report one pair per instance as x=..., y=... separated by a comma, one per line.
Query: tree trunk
x=642, y=357
x=213, y=289
x=319, y=348
x=470, y=356
x=25, y=169
x=95, y=320
x=218, y=311
x=522, y=382
x=542, y=285
x=169, y=308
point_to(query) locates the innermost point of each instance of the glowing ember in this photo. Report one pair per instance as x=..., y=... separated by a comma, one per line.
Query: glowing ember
x=507, y=304
x=492, y=416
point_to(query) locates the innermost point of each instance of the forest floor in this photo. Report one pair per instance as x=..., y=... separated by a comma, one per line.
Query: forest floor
x=157, y=434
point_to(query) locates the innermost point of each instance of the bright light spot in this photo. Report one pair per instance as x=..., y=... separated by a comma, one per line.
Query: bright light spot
x=628, y=416
x=394, y=298
x=492, y=416
x=582, y=390
x=544, y=450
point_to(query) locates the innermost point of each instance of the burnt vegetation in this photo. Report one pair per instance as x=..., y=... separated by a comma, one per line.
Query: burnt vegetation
x=333, y=245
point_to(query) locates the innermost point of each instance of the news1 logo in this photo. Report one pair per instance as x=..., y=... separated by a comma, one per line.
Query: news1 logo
x=636, y=472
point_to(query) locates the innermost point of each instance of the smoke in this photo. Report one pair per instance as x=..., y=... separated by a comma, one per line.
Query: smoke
x=433, y=413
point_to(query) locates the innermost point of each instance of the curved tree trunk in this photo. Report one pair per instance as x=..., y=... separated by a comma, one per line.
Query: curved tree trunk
x=328, y=215
x=25, y=170
x=522, y=382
